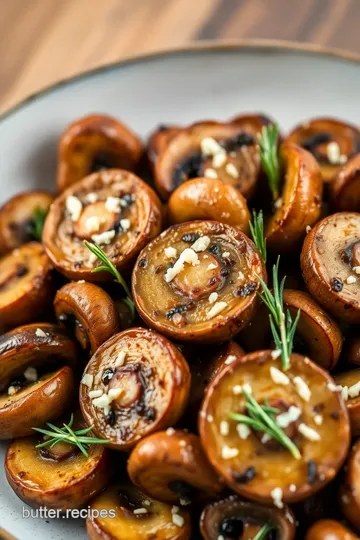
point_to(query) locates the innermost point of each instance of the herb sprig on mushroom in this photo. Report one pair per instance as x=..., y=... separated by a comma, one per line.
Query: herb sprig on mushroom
x=257, y=232
x=38, y=221
x=268, y=150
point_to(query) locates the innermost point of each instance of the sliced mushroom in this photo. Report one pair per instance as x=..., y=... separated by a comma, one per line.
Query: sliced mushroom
x=345, y=187
x=329, y=529
x=94, y=143
x=332, y=142
x=299, y=205
x=26, y=285
x=350, y=489
x=243, y=520
x=197, y=281
x=123, y=512
x=227, y=151
x=261, y=468
x=171, y=466
x=141, y=383
x=352, y=351
x=349, y=387
x=158, y=141
x=58, y=476
x=209, y=198
x=330, y=260
x=89, y=311
x=114, y=209
x=18, y=218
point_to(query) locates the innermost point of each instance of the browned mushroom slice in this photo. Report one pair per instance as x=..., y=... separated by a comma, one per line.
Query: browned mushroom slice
x=299, y=205
x=332, y=142
x=329, y=529
x=171, y=466
x=330, y=263
x=58, y=476
x=209, y=198
x=345, y=187
x=89, y=311
x=115, y=209
x=26, y=286
x=136, y=383
x=234, y=518
x=158, y=141
x=19, y=217
x=197, y=281
x=303, y=402
x=352, y=351
x=93, y=143
x=123, y=512
x=349, y=387
x=350, y=489
x=227, y=151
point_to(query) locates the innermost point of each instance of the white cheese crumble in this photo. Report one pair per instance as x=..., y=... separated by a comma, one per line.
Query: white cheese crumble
x=230, y=359
x=216, y=309
x=113, y=205
x=333, y=153
x=356, y=269
x=241, y=275
x=12, y=390
x=175, y=509
x=92, y=224
x=185, y=502
x=318, y=419
x=187, y=256
x=243, y=431
x=344, y=390
x=103, y=238
x=101, y=402
x=212, y=266
x=210, y=173
x=275, y=354
x=178, y=520
x=91, y=197
x=266, y=438
x=210, y=418
x=350, y=280
x=277, y=494
x=201, y=244
x=224, y=428
x=114, y=393
x=226, y=254
x=170, y=252
x=147, y=502
x=219, y=160
x=288, y=417
x=210, y=147
x=332, y=387
x=120, y=359
x=354, y=390
x=30, y=374
x=278, y=203
x=40, y=333
x=125, y=224
x=213, y=297
x=74, y=207
x=87, y=380
x=170, y=431
x=309, y=433
x=302, y=388
x=247, y=388
x=278, y=376
x=182, y=443
x=95, y=393
x=237, y=390
x=292, y=488
x=139, y=511
x=232, y=170
x=229, y=453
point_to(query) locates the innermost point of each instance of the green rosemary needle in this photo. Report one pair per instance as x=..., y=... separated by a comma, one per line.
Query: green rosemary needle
x=37, y=223
x=108, y=266
x=268, y=150
x=257, y=232
x=264, y=531
x=261, y=419
x=66, y=434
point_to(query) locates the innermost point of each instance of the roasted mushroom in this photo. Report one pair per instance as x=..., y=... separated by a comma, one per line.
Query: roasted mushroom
x=299, y=204
x=21, y=219
x=197, y=281
x=350, y=489
x=352, y=351
x=26, y=285
x=330, y=263
x=308, y=409
x=89, y=311
x=136, y=383
x=349, y=387
x=209, y=198
x=112, y=208
x=58, y=476
x=171, y=466
x=158, y=141
x=345, y=187
x=238, y=519
x=227, y=151
x=94, y=143
x=329, y=529
x=332, y=142
x=123, y=512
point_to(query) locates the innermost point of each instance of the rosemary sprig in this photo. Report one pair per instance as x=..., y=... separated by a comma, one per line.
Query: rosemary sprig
x=260, y=420
x=108, y=266
x=67, y=435
x=37, y=223
x=264, y=531
x=257, y=232
x=282, y=326
x=268, y=150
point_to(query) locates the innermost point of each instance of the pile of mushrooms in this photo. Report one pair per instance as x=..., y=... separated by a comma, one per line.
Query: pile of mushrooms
x=156, y=366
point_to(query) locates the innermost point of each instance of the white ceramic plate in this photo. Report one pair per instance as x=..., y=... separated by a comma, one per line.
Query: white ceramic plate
x=288, y=82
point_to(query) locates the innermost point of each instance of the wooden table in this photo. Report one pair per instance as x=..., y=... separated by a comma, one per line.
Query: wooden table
x=42, y=41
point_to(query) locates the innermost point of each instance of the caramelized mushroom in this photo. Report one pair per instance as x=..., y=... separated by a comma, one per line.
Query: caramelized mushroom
x=299, y=205
x=131, y=515
x=197, y=281
x=18, y=218
x=158, y=141
x=171, y=466
x=349, y=386
x=329, y=529
x=209, y=198
x=313, y=416
x=90, y=311
x=345, y=187
x=58, y=476
x=352, y=351
x=26, y=286
x=114, y=209
x=350, y=489
x=330, y=262
x=243, y=520
x=136, y=383
x=227, y=151
x=94, y=143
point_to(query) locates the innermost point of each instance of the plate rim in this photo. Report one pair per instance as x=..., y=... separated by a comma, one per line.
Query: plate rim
x=257, y=44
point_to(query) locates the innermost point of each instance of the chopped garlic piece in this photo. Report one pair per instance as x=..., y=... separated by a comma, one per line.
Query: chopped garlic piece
x=243, y=431
x=212, y=266
x=302, y=388
x=113, y=205
x=139, y=511
x=350, y=280
x=95, y=393
x=187, y=256
x=216, y=309
x=178, y=520
x=356, y=269
x=40, y=333
x=114, y=393
x=210, y=147
x=213, y=297
x=229, y=453
x=224, y=428
x=120, y=359
x=103, y=238
x=170, y=252
x=91, y=197
x=333, y=153
x=277, y=494
x=219, y=160
x=12, y=390
x=170, y=431
x=318, y=419
x=309, y=433
x=226, y=254
x=74, y=207
x=101, y=402
x=232, y=170
x=230, y=359
x=125, y=224
x=87, y=380
x=210, y=173
x=278, y=376
x=288, y=417
x=354, y=390
x=201, y=244
x=237, y=390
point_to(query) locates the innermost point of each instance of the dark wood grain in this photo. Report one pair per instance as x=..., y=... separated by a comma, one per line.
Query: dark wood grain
x=46, y=40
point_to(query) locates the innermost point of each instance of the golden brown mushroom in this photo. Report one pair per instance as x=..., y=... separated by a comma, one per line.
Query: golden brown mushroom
x=158, y=141
x=18, y=218
x=349, y=387
x=313, y=417
x=112, y=208
x=352, y=350
x=329, y=529
x=197, y=281
x=171, y=466
x=350, y=489
x=136, y=383
x=330, y=260
x=89, y=311
x=26, y=286
x=345, y=187
x=131, y=515
x=94, y=143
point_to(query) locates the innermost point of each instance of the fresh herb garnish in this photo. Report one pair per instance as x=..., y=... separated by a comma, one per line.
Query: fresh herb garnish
x=37, y=222
x=261, y=419
x=257, y=232
x=282, y=326
x=268, y=150
x=264, y=531
x=67, y=435
x=108, y=266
